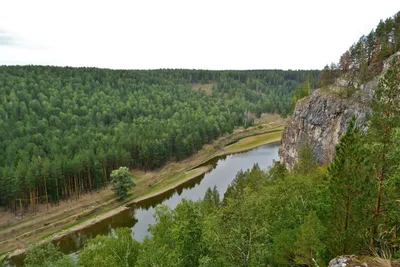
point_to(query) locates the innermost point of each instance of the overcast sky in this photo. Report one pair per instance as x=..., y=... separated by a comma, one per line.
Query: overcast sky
x=206, y=34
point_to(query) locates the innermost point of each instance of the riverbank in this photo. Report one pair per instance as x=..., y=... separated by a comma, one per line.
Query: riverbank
x=150, y=184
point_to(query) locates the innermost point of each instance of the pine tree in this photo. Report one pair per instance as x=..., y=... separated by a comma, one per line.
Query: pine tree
x=305, y=163
x=308, y=242
x=349, y=189
x=385, y=118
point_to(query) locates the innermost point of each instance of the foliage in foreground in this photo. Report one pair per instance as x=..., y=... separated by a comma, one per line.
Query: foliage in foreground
x=47, y=255
x=116, y=249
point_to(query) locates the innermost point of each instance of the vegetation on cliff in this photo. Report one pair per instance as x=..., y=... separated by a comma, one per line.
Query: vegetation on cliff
x=364, y=59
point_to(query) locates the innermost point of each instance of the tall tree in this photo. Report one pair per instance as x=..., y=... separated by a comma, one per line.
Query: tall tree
x=385, y=118
x=349, y=189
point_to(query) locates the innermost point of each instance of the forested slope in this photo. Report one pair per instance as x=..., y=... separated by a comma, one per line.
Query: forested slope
x=65, y=129
x=364, y=59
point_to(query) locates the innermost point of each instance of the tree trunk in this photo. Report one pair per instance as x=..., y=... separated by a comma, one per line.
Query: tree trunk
x=346, y=221
x=21, y=209
x=58, y=198
x=37, y=197
x=76, y=187
x=90, y=181
x=379, y=196
x=31, y=197
x=45, y=192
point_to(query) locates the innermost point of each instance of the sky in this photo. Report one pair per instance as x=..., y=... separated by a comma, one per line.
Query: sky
x=206, y=34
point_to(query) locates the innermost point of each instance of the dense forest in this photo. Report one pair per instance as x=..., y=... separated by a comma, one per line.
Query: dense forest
x=65, y=129
x=364, y=59
x=306, y=216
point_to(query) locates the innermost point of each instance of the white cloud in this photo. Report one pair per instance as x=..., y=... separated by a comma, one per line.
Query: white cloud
x=187, y=34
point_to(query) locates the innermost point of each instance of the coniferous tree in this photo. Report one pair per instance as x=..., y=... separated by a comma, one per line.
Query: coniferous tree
x=385, y=118
x=349, y=189
x=305, y=162
x=308, y=241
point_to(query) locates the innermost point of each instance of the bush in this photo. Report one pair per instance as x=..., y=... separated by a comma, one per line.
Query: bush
x=122, y=181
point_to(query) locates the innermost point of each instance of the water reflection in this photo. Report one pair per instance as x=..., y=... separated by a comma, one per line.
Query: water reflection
x=139, y=216
x=224, y=171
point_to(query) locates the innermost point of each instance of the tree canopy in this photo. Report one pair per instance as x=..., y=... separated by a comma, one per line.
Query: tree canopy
x=364, y=59
x=68, y=128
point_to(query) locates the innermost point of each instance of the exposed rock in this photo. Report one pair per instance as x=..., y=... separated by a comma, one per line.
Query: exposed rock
x=363, y=91
x=320, y=120
x=387, y=63
x=361, y=261
x=340, y=261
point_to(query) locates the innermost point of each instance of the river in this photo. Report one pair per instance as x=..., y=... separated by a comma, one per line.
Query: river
x=138, y=217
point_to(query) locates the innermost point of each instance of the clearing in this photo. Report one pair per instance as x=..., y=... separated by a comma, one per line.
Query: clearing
x=206, y=87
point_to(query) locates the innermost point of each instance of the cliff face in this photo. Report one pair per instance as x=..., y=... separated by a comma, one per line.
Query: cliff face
x=321, y=118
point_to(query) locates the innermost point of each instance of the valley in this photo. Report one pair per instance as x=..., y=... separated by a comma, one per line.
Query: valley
x=74, y=215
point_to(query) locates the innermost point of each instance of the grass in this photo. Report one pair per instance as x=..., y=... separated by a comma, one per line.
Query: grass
x=254, y=141
x=173, y=177
x=176, y=178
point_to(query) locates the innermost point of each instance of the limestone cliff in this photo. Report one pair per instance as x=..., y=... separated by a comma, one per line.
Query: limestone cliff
x=321, y=118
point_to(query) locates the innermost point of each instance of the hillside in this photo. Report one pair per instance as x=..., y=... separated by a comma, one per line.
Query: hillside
x=68, y=128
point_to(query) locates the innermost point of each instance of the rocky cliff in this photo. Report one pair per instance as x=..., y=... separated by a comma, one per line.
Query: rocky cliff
x=321, y=118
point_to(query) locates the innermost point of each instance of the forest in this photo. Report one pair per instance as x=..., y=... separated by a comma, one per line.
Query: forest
x=300, y=217
x=66, y=129
x=364, y=59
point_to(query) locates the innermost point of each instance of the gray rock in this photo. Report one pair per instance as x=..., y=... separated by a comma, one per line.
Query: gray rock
x=321, y=118
x=362, y=261
x=339, y=261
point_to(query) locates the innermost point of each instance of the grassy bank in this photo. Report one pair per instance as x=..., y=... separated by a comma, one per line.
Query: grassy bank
x=149, y=184
x=254, y=141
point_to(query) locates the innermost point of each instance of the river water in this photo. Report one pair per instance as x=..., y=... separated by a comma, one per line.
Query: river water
x=138, y=217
